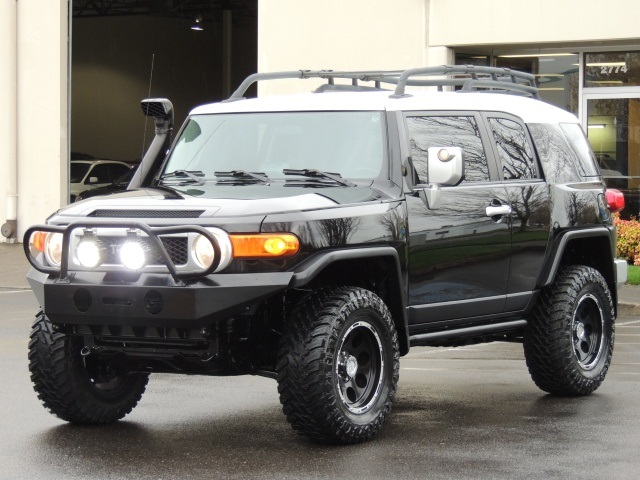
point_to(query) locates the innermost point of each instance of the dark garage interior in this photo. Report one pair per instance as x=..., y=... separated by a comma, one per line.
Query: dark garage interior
x=122, y=51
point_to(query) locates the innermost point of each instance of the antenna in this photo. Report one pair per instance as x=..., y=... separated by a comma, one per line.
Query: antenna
x=144, y=135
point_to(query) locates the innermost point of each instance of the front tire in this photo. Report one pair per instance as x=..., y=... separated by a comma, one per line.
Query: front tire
x=569, y=340
x=78, y=389
x=338, y=365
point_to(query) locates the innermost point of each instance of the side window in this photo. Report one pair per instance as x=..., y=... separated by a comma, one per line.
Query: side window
x=514, y=149
x=117, y=171
x=440, y=131
x=101, y=172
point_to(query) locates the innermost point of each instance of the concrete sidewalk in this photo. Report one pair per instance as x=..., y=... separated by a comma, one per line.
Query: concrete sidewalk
x=14, y=267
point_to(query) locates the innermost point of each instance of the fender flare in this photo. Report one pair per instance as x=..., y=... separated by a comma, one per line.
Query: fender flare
x=306, y=271
x=552, y=264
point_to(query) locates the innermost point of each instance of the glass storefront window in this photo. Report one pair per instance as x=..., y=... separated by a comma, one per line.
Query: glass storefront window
x=557, y=73
x=612, y=69
x=613, y=128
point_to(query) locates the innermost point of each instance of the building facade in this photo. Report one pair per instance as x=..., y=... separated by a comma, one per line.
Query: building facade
x=585, y=53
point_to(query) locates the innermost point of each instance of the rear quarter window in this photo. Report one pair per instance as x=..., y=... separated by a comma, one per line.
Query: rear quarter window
x=587, y=164
x=558, y=159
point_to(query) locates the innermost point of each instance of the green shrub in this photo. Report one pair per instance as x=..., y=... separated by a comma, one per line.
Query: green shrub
x=628, y=239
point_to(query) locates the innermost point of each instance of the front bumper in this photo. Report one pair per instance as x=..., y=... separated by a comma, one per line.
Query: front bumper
x=88, y=298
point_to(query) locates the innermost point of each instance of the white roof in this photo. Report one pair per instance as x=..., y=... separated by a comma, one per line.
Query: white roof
x=529, y=110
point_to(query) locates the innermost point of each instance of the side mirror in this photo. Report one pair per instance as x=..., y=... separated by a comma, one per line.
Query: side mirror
x=446, y=168
x=92, y=180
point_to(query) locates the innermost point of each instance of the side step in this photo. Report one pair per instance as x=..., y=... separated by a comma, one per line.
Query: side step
x=443, y=336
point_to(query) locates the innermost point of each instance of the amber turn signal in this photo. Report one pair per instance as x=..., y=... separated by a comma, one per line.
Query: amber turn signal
x=38, y=240
x=264, y=245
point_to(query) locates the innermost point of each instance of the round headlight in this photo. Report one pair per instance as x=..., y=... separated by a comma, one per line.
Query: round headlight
x=203, y=252
x=53, y=248
x=132, y=255
x=88, y=254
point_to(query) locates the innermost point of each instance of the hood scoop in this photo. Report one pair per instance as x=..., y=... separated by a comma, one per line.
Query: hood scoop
x=125, y=213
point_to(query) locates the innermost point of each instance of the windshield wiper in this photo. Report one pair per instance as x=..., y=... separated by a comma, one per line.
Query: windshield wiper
x=319, y=174
x=244, y=175
x=183, y=175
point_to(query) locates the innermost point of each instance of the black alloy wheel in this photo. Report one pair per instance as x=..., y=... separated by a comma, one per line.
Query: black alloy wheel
x=587, y=332
x=359, y=367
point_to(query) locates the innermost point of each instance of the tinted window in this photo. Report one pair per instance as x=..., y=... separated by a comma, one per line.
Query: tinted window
x=578, y=141
x=557, y=157
x=78, y=171
x=514, y=149
x=101, y=172
x=425, y=132
x=117, y=171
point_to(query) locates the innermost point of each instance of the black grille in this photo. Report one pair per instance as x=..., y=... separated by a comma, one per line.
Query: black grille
x=147, y=213
x=154, y=109
x=177, y=248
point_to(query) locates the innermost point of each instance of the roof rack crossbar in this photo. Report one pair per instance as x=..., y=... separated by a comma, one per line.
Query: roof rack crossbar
x=472, y=85
x=329, y=75
x=495, y=81
x=498, y=78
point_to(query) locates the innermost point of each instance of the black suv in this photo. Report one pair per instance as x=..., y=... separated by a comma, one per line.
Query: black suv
x=315, y=238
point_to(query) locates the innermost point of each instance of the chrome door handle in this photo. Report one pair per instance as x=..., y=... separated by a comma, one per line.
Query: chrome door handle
x=498, y=210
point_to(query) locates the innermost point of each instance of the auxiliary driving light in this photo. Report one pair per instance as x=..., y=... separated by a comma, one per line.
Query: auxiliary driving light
x=203, y=252
x=89, y=254
x=132, y=255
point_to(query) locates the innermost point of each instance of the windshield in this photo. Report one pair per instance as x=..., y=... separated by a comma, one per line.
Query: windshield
x=78, y=171
x=347, y=143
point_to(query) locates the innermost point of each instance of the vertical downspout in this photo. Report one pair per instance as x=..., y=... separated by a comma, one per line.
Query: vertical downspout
x=227, y=49
x=69, y=98
x=9, y=19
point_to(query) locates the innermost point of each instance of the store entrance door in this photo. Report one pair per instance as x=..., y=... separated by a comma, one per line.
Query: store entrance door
x=613, y=129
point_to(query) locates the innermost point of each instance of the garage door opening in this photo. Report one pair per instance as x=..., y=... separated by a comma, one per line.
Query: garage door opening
x=190, y=51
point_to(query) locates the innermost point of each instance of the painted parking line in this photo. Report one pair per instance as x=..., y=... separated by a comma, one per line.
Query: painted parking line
x=633, y=322
x=14, y=291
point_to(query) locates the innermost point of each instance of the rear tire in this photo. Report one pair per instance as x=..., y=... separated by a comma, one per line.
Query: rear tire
x=569, y=339
x=338, y=365
x=78, y=389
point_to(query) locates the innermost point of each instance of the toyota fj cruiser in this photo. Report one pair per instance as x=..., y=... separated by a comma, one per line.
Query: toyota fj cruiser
x=315, y=238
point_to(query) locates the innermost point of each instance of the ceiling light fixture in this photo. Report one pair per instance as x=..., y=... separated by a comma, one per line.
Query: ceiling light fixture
x=197, y=24
x=531, y=55
x=607, y=64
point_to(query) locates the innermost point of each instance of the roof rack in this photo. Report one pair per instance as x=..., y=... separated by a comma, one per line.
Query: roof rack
x=469, y=77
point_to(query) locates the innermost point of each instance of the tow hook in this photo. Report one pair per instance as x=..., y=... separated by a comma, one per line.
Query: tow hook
x=89, y=347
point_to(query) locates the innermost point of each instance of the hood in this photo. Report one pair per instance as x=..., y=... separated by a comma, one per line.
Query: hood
x=227, y=200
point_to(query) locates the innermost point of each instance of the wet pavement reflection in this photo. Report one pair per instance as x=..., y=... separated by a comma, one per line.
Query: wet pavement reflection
x=470, y=412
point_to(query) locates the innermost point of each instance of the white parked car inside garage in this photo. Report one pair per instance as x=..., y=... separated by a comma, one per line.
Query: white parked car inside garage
x=90, y=174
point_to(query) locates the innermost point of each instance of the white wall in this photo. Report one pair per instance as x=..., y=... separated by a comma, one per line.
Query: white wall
x=491, y=22
x=40, y=93
x=338, y=35
x=8, y=112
